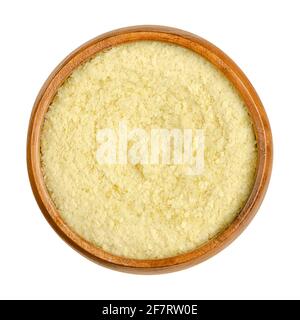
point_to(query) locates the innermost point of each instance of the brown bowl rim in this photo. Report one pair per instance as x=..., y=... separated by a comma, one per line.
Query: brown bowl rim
x=224, y=64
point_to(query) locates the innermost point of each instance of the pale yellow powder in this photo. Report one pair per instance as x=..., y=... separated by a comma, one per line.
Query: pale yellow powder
x=147, y=211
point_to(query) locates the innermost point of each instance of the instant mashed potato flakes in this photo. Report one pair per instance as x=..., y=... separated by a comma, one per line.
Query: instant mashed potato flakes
x=146, y=211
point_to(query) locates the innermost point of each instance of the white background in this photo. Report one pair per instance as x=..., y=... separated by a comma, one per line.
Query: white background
x=262, y=37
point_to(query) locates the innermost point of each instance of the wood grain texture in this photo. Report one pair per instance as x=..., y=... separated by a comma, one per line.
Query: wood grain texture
x=231, y=71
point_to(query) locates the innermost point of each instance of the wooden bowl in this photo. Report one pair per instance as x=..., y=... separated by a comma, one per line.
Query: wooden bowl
x=231, y=71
